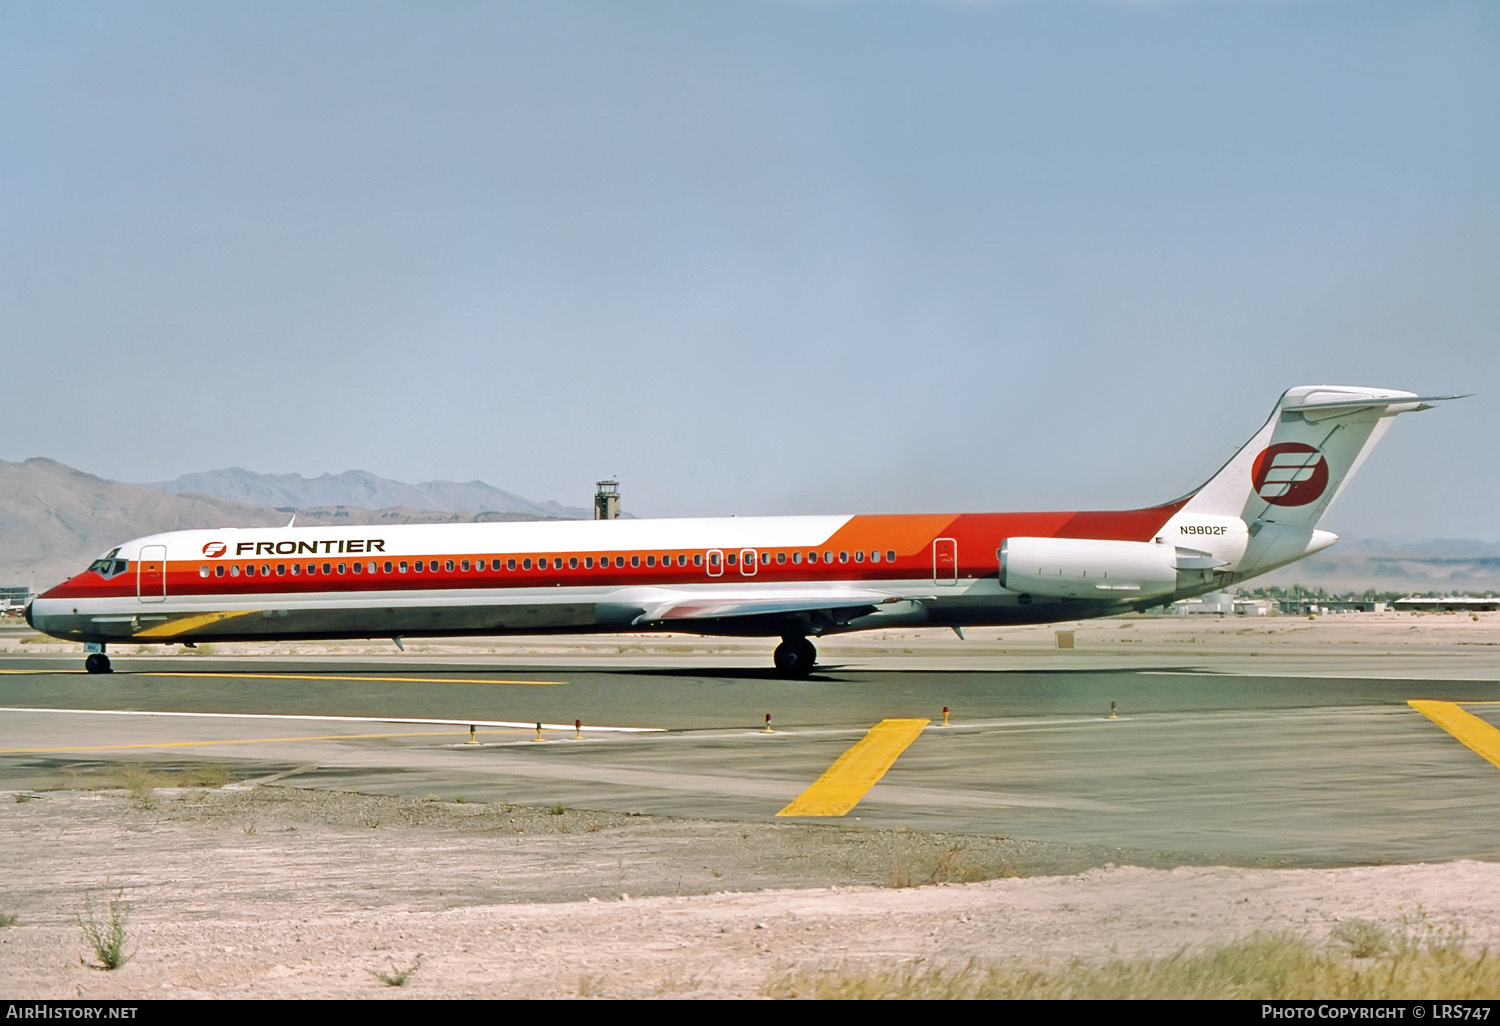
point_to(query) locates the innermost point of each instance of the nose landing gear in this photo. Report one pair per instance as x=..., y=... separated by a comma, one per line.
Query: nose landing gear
x=795, y=657
x=97, y=661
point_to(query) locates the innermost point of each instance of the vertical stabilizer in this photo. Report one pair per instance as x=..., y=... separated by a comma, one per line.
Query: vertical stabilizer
x=1285, y=478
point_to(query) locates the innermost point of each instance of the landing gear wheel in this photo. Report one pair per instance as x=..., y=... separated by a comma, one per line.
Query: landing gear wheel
x=97, y=662
x=795, y=657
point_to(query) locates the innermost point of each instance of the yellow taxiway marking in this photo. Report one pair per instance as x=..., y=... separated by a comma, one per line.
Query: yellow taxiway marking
x=850, y=778
x=1469, y=729
x=341, y=676
x=306, y=676
x=235, y=741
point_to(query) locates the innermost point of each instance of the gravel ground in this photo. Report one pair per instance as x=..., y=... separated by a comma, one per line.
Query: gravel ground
x=268, y=891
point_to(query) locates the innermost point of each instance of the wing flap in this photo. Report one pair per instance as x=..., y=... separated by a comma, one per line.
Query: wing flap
x=717, y=607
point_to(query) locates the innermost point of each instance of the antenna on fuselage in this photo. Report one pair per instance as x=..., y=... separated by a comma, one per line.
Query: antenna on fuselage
x=292, y=521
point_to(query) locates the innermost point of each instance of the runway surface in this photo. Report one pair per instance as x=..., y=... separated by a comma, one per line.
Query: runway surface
x=1224, y=767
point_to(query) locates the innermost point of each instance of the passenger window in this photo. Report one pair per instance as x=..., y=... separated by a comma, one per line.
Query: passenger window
x=526, y=563
x=682, y=559
x=796, y=557
x=781, y=557
x=859, y=556
x=650, y=560
x=234, y=571
x=296, y=569
x=464, y=566
x=510, y=564
x=697, y=559
x=635, y=560
x=588, y=562
x=875, y=556
x=388, y=566
x=765, y=559
x=448, y=566
x=730, y=558
x=343, y=569
x=572, y=562
x=812, y=557
x=359, y=568
x=713, y=559
x=619, y=561
x=280, y=569
x=203, y=570
x=890, y=555
x=827, y=556
x=250, y=570
x=265, y=569
x=843, y=557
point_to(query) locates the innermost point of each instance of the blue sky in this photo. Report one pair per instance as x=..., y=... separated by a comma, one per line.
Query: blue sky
x=753, y=257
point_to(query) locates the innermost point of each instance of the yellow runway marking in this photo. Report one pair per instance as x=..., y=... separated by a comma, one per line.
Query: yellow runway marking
x=303, y=676
x=340, y=676
x=850, y=778
x=1469, y=729
x=236, y=741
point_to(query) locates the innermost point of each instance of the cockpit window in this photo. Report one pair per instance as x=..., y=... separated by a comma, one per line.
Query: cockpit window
x=109, y=565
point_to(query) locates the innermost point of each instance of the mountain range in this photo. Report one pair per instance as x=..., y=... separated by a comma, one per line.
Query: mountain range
x=361, y=490
x=54, y=520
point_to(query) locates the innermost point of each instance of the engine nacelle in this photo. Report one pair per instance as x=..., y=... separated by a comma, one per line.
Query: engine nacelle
x=1087, y=568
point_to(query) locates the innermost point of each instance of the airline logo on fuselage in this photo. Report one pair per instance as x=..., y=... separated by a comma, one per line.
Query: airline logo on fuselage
x=347, y=546
x=1290, y=474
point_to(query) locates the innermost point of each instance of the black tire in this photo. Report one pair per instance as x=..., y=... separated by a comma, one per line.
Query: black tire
x=97, y=662
x=810, y=652
x=795, y=657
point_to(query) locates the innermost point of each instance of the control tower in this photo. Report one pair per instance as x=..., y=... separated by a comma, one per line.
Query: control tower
x=607, y=500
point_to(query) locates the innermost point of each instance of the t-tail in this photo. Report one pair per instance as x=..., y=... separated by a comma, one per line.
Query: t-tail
x=1262, y=509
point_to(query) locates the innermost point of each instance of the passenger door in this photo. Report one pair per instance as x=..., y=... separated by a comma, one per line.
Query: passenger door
x=944, y=561
x=151, y=574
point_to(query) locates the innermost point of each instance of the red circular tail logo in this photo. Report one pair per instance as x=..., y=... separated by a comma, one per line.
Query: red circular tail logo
x=1290, y=474
x=213, y=550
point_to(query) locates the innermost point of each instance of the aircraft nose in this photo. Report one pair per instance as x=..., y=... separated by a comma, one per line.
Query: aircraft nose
x=28, y=616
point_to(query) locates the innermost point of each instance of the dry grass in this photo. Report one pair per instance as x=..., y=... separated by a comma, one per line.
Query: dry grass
x=106, y=937
x=954, y=864
x=1261, y=967
x=398, y=976
x=142, y=785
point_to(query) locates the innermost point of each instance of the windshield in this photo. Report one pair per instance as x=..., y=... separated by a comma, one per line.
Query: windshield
x=108, y=565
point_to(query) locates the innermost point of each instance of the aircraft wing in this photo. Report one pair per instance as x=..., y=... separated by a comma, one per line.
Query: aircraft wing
x=844, y=604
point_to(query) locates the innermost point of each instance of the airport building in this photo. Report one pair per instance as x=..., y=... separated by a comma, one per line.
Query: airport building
x=14, y=597
x=1447, y=604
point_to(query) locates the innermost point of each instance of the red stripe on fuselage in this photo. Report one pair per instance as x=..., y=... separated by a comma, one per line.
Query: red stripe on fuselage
x=977, y=537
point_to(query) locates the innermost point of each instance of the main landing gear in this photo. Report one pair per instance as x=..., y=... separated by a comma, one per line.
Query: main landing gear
x=97, y=661
x=795, y=657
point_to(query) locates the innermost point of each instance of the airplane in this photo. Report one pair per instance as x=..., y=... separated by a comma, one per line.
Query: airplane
x=793, y=578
